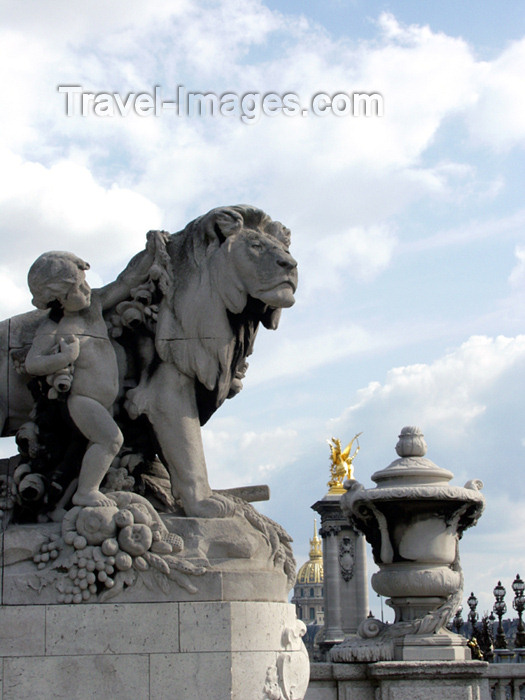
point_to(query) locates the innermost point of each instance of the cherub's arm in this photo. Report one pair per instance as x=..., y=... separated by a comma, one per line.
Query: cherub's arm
x=135, y=273
x=46, y=357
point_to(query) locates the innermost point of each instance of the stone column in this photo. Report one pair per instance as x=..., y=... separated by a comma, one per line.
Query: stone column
x=345, y=578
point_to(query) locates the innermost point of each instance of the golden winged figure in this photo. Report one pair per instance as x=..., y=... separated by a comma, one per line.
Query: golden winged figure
x=341, y=461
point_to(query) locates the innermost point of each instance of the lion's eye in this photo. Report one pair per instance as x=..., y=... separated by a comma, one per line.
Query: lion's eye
x=256, y=245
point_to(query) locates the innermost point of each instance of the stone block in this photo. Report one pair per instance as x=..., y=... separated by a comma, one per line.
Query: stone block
x=357, y=690
x=321, y=690
x=249, y=671
x=115, y=629
x=205, y=627
x=22, y=630
x=259, y=626
x=119, y=677
x=255, y=585
x=194, y=675
x=428, y=691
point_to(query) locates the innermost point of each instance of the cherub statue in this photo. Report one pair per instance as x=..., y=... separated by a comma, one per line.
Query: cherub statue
x=73, y=342
x=341, y=463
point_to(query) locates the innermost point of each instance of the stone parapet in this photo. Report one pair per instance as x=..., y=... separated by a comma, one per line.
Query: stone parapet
x=400, y=680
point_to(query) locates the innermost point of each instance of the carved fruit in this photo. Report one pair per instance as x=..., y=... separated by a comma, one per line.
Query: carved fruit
x=140, y=513
x=161, y=547
x=135, y=539
x=70, y=536
x=124, y=518
x=110, y=546
x=123, y=561
x=79, y=542
x=97, y=523
x=140, y=564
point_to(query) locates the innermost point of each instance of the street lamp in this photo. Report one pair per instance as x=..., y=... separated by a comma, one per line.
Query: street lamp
x=472, y=602
x=457, y=620
x=518, y=586
x=500, y=609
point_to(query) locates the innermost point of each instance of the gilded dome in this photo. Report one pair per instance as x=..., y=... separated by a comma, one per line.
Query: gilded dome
x=312, y=570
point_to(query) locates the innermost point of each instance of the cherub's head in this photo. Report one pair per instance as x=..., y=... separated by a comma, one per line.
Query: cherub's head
x=60, y=277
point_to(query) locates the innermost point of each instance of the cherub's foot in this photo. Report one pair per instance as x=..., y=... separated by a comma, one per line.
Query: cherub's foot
x=216, y=506
x=91, y=498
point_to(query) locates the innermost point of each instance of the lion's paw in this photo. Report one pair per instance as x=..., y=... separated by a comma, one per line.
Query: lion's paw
x=217, y=506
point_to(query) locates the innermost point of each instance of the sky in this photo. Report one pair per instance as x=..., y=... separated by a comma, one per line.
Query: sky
x=408, y=227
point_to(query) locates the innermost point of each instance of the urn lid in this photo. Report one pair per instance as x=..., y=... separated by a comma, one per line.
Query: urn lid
x=412, y=467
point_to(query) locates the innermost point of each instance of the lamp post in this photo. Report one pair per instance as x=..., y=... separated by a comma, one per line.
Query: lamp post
x=457, y=620
x=518, y=586
x=500, y=608
x=472, y=602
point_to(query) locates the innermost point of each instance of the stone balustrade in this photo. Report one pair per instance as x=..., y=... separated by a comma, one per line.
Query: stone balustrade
x=506, y=681
x=499, y=681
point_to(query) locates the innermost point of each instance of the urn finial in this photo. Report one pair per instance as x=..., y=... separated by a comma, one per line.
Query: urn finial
x=411, y=442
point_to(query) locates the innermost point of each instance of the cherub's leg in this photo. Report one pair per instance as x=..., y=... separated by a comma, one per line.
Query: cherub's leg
x=105, y=440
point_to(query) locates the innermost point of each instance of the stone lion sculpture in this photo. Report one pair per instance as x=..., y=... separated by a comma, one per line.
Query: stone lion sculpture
x=181, y=339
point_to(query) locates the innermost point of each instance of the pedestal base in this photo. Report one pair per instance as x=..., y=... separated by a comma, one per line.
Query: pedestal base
x=233, y=650
x=209, y=620
x=433, y=647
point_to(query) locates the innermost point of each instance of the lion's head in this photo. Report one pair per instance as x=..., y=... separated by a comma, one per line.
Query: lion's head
x=231, y=271
x=254, y=260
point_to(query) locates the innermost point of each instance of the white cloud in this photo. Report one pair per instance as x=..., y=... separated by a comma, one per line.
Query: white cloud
x=448, y=395
x=62, y=207
x=288, y=358
x=339, y=180
x=497, y=118
x=362, y=252
x=238, y=457
x=492, y=552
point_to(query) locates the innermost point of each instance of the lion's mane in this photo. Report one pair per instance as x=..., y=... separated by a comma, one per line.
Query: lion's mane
x=207, y=323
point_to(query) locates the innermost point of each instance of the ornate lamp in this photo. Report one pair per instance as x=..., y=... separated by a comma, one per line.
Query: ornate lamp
x=518, y=586
x=500, y=608
x=472, y=602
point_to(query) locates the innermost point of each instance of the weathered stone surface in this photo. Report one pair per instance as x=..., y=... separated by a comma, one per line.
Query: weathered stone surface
x=119, y=677
x=399, y=680
x=112, y=629
x=191, y=675
x=133, y=651
x=22, y=630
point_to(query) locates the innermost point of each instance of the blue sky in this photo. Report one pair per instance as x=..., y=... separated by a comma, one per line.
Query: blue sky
x=409, y=228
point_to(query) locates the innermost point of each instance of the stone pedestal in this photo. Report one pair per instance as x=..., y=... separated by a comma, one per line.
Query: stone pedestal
x=345, y=574
x=186, y=650
x=225, y=633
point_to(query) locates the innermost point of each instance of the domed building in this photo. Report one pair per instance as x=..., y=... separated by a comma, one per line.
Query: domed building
x=308, y=593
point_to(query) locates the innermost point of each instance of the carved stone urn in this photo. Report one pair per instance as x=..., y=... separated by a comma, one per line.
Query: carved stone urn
x=413, y=519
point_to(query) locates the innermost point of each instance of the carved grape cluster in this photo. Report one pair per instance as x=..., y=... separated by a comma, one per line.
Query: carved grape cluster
x=48, y=551
x=89, y=570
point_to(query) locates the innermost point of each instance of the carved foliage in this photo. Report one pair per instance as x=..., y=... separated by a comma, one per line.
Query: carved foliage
x=347, y=558
x=288, y=678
